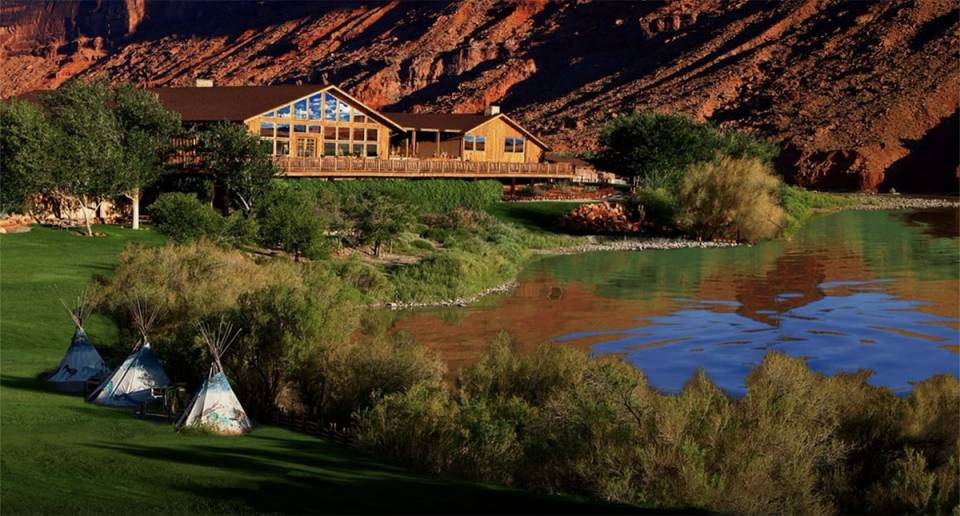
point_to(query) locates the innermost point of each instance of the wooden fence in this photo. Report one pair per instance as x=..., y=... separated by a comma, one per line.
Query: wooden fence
x=365, y=167
x=300, y=423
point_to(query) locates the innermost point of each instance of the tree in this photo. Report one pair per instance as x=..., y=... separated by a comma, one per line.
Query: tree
x=291, y=220
x=87, y=153
x=238, y=161
x=380, y=217
x=25, y=163
x=146, y=129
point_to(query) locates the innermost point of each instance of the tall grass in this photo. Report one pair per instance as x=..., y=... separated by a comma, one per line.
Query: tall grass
x=430, y=195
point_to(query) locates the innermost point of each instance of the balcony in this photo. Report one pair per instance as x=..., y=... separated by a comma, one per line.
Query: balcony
x=412, y=168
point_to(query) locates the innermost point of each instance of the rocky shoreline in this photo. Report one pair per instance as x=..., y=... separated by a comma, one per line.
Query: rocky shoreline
x=458, y=302
x=899, y=202
x=637, y=245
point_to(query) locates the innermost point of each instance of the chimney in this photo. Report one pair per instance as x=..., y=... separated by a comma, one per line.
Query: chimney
x=491, y=110
x=203, y=83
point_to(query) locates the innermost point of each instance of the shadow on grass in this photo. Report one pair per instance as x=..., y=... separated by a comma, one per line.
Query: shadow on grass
x=36, y=384
x=313, y=476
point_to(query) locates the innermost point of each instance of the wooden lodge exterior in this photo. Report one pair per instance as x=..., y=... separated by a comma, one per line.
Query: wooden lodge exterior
x=322, y=131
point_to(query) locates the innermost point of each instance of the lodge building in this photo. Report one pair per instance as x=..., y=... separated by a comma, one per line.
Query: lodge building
x=322, y=131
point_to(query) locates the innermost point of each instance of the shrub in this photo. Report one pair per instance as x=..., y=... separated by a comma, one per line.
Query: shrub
x=798, y=204
x=731, y=198
x=659, y=206
x=291, y=221
x=379, y=218
x=182, y=217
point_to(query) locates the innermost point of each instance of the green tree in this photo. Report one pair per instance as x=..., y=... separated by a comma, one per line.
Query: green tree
x=146, y=128
x=26, y=166
x=380, y=217
x=292, y=221
x=184, y=218
x=238, y=161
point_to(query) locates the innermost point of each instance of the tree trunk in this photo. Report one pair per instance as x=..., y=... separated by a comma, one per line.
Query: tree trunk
x=135, y=198
x=86, y=218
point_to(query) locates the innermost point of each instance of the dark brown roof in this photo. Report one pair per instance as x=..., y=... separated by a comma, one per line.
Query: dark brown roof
x=233, y=103
x=443, y=121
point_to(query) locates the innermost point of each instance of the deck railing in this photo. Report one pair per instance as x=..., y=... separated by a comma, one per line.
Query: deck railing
x=334, y=167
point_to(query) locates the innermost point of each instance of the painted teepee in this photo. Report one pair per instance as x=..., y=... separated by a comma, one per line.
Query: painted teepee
x=215, y=407
x=129, y=385
x=82, y=361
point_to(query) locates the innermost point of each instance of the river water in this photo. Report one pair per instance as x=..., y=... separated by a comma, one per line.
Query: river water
x=851, y=290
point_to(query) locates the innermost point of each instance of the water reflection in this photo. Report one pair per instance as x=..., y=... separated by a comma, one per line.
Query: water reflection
x=852, y=290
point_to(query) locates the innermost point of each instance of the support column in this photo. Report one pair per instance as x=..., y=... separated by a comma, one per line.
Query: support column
x=436, y=154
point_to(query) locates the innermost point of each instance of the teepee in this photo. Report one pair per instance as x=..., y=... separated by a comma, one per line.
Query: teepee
x=215, y=407
x=129, y=385
x=82, y=362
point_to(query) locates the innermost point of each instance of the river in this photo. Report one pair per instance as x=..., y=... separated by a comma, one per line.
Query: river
x=851, y=290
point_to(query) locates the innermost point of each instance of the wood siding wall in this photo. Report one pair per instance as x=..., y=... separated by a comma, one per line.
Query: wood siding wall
x=496, y=131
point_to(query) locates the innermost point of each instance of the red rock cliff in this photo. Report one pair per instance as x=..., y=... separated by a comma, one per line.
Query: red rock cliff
x=863, y=95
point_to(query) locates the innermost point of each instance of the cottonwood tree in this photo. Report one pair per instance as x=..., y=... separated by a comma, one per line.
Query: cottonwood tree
x=380, y=218
x=87, y=153
x=238, y=161
x=25, y=161
x=146, y=129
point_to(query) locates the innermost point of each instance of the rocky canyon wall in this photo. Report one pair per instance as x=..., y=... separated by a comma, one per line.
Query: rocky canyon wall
x=862, y=95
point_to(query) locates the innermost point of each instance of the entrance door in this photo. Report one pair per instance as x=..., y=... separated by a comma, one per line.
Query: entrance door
x=307, y=147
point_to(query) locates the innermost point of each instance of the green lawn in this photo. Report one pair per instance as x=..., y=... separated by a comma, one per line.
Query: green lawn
x=539, y=216
x=61, y=455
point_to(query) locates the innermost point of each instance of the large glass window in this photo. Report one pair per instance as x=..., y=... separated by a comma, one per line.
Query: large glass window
x=343, y=149
x=316, y=103
x=284, y=112
x=270, y=114
x=343, y=133
x=371, y=135
x=266, y=129
x=283, y=148
x=474, y=143
x=299, y=128
x=329, y=133
x=283, y=130
x=306, y=147
x=359, y=117
x=300, y=109
x=315, y=129
x=371, y=151
x=513, y=145
x=329, y=107
x=329, y=149
x=343, y=112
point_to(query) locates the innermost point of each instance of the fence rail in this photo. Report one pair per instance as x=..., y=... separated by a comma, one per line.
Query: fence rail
x=346, y=167
x=300, y=423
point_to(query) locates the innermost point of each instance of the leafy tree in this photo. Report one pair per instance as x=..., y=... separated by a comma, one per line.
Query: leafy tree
x=655, y=148
x=87, y=153
x=292, y=221
x=25, y=162
x=381, y=217
x=238, y=161
x=146, y=128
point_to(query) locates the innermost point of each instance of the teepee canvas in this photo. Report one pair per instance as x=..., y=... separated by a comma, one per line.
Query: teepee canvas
x=82, y=362
x=129, y=385
x=215, y=407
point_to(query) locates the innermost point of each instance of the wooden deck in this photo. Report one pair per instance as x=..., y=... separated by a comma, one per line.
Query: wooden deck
x=411, y=168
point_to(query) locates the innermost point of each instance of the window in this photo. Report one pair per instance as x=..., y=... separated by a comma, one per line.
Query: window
x=315, y=129
x=357, y=149
x=300, y=109
x=343, y=133
x=270, y=114
x=329, y=133
x=343, y=149
x=283, y=148
x=306, y=147
x=316, y=102
x=474, y=143
x=266, y=129
x=329, y=107
x=343, y=111
x=371, y=135
x=371, y=151
x=329, y=149
x=283, y=130
x=284, y=112
x=513, y=145
x=359, y=117
x=299, y=128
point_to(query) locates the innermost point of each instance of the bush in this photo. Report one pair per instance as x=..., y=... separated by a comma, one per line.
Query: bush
x=291, y=221
x=182, y=217
x=423, y=196
x=659, y=206
x=731, y=198
x=798, y=204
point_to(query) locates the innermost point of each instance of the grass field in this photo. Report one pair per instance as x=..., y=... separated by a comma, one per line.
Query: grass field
x=61, y=455
x=534, y=215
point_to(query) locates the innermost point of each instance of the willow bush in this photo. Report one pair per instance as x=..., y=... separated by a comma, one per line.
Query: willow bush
x=559, y=421
x=731, y=198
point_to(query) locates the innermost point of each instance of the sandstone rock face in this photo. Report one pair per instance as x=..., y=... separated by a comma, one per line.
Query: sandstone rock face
x=863, y=95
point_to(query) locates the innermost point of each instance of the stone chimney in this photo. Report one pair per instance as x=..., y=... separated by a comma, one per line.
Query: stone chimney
x=203, y=83
x=491, y=110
